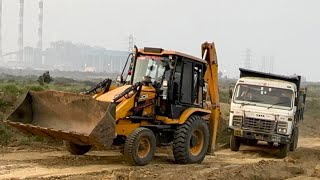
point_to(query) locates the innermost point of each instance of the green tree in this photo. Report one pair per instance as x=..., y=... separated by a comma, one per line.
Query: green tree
x=45, y=78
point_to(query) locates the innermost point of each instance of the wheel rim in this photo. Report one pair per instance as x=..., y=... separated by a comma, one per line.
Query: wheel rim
x=143, y=148
x=196, y=142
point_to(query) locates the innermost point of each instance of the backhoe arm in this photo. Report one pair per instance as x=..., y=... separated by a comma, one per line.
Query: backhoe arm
x=211, y=77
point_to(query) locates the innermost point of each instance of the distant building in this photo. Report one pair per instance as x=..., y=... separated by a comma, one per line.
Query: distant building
x=77, y=57
x=9, y=57
x=89, y=69
x=67, y=56
x=32, y=57
x=220, y=74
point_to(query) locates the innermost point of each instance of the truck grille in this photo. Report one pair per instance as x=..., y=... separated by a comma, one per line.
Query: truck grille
x=259, y=125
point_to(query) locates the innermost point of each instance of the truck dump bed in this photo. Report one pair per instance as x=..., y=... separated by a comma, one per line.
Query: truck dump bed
x=250, y=73
x=72, y=117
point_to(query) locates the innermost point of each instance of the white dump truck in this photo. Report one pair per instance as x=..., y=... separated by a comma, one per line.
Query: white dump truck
x=266, y=107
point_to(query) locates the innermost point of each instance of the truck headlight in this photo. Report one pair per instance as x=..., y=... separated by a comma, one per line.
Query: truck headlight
x=282, y=127
x=237, y=121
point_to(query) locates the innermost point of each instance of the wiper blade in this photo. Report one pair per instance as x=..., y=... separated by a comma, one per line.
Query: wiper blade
x=255, y=101
x=275, y=104
x=245, y=104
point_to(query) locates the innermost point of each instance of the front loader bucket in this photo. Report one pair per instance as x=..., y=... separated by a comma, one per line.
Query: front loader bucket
x=72, y=117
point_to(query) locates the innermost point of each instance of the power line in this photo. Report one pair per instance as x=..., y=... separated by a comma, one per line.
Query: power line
x=267, y=64
x=263, y=64
x=271, y=64
x=131, y=43
x=247, y=59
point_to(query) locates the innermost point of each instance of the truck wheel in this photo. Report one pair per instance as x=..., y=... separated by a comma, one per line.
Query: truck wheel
x=191, y=141
x=234, y=143
x=294, y=144
x=284, y=149
x=252, y=142
x=140, y=146
x=76, y=149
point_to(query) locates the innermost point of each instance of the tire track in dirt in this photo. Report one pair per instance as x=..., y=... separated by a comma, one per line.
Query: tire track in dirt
x=249, y=162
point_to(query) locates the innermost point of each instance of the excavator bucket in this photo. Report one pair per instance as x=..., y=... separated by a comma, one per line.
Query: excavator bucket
x=71, y=117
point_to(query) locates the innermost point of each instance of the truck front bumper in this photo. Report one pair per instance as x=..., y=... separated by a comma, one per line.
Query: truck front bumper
x=261, y=136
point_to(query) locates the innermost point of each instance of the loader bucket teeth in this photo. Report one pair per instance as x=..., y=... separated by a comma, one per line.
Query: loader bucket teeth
x=71, y=117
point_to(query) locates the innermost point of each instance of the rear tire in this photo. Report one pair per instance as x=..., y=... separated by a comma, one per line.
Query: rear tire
x=234, y=143
x=77, y=149
x=284, y=149
x=294, y=144
x=140, y=146
x=191, y=141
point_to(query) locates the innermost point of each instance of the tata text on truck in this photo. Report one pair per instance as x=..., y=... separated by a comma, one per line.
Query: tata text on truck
x=266, y=107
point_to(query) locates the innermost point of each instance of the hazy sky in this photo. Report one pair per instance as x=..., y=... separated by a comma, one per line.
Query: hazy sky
x=289, y=30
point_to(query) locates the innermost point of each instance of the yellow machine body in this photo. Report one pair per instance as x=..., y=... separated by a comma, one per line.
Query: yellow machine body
x=99, y=119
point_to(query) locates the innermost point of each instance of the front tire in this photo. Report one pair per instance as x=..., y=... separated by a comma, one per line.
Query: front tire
x=234, y=143
x=76, y=149
x=140, y=146
x=191, y=141
x=284, y=149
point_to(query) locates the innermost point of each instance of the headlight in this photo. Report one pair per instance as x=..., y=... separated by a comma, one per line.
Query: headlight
x=237, y=121
x=282, y=127
x=165, y=83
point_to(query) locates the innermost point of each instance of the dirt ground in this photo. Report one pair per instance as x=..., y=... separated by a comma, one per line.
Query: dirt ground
x=249, y=163
x=260, y=162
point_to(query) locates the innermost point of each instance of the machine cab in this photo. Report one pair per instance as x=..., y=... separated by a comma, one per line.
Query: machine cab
x=177, y=78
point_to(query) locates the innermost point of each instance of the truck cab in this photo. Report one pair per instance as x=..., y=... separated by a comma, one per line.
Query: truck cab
x=266, y=107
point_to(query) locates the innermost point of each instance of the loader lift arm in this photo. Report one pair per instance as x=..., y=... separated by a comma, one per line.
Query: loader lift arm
x=103, y=84
x=211, y=78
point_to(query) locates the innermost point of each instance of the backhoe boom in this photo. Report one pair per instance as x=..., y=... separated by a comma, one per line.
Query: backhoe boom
x=211, y=77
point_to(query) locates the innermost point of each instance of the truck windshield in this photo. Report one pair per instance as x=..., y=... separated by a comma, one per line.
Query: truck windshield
x=149, y=66
x=270, y=97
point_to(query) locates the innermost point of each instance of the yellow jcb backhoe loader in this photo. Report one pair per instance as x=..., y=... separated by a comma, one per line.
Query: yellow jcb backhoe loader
x=166, y=98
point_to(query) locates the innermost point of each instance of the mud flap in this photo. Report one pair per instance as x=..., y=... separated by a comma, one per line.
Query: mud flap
x=67, y=116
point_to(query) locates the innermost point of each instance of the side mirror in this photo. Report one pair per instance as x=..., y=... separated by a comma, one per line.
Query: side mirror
x=231, y=91
x=119, y=79
x=230, y=96
x=295, y=109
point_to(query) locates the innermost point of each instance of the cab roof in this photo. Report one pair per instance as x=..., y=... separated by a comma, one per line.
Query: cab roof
x=161, y=52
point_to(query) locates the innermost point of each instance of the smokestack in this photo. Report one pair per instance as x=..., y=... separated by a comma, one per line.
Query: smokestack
x=40, y=25
x=20, y=29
